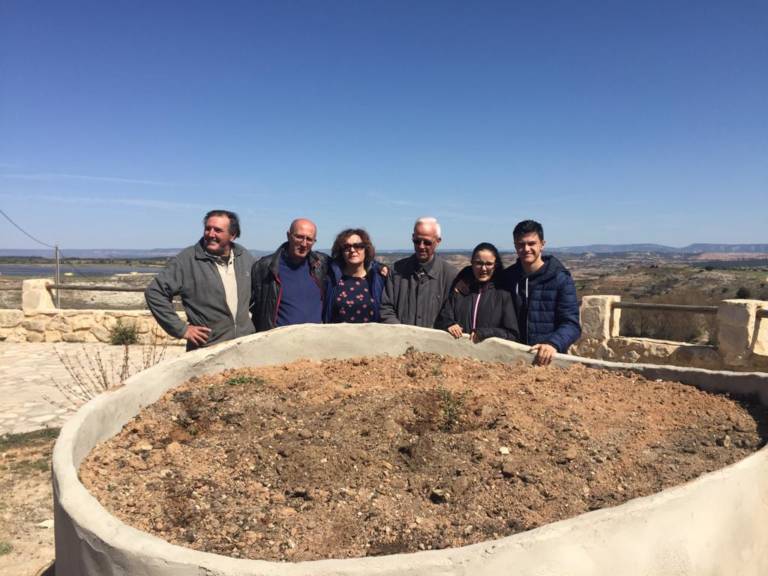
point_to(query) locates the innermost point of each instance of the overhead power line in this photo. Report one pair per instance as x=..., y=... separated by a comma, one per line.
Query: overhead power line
x=68, y=262
x=27, y=234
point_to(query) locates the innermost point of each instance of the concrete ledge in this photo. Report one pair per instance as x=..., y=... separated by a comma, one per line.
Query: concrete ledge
x=717, y=524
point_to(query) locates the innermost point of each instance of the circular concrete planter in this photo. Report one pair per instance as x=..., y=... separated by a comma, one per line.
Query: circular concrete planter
x=717, y=524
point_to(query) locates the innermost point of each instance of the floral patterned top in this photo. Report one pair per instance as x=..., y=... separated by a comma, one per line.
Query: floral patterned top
x=353, y=301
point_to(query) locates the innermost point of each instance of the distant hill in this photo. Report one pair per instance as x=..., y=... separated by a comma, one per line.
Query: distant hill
x=661, y=249
x=727, y=248
x=127, y=254
x=106, y=253
x=612, y=248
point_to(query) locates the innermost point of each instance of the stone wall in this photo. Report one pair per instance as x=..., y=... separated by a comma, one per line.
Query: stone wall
x=742, y=338
x=78, y=326
x=40, y=321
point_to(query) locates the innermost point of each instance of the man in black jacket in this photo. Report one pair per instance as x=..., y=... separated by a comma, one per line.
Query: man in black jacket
x=213, y=279
x=419, y=284
x=287, y=286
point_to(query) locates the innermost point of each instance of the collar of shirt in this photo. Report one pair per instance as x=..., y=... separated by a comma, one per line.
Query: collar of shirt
x=224, y=260
x=293, y=265
x=424, y=269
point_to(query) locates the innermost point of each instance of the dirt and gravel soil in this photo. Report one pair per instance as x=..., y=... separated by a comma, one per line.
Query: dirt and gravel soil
x=26, y=504
x=383, y=455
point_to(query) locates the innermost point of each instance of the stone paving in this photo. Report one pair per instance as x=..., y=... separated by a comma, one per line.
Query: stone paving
x=34, y=381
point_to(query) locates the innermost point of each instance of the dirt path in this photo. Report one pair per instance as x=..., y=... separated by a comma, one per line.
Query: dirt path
x=26, y=505
x=376, y=456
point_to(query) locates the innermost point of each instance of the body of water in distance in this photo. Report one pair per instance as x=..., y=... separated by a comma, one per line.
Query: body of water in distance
x=70, y=273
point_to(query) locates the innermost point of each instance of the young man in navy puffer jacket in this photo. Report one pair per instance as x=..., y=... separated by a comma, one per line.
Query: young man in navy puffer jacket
x=544, y=295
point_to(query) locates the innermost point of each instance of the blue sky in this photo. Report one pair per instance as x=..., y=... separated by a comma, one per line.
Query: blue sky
x=122, y=122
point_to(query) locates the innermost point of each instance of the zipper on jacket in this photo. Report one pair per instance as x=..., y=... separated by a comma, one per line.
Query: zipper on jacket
x=279, y=298
x=476, y=311
x=527, y=311
x=527, y=307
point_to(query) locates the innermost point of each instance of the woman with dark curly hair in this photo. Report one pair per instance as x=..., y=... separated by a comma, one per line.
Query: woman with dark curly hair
x=355, y=280
x=476, y=306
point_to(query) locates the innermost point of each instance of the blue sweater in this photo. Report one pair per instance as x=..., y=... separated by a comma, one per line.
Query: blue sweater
x=546, y=304
x=301, y=299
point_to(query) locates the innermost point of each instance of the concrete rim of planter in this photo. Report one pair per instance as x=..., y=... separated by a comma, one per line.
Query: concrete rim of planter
x=89, y=540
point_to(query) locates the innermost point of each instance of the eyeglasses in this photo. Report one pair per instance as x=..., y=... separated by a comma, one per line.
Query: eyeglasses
x=302, y=239
x=481, y=264
x=420, y=241
x=357, y=246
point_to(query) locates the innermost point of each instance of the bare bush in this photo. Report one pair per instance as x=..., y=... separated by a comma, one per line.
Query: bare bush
x=92, y=371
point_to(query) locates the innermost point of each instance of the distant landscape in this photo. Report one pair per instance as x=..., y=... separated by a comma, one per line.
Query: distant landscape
x=701, y=274
x=694, y=249
x=661, y=249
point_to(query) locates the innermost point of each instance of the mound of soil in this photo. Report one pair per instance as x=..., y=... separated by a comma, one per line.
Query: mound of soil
x=348, y=458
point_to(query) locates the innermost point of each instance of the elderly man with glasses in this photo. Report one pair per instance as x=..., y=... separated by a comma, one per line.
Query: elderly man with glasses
x=418, y=285
x=287, y=286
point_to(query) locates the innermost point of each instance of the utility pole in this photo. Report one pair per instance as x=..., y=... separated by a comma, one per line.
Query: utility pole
x=58, y=275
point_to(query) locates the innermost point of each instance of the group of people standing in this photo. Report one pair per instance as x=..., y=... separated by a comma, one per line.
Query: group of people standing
x=227, y=294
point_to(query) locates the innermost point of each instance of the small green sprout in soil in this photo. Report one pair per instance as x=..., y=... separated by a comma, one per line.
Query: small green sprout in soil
x=451, y=407
x=244, y=380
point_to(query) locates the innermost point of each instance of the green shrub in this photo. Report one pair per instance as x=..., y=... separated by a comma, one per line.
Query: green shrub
x=123, y=334
x=743, y=292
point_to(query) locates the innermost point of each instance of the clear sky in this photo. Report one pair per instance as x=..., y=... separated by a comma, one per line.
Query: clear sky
x=122, y=122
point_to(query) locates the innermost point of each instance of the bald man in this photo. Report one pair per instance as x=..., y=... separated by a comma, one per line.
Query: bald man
x=287, y=286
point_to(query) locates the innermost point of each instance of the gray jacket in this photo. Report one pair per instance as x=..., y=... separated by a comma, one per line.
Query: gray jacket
x=194, y=276
x=413, y=298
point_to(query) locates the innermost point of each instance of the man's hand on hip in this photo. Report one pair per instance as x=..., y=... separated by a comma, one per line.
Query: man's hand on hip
x=197, y=334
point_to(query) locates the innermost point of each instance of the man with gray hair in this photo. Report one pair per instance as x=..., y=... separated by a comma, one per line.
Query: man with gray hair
x=418, y=285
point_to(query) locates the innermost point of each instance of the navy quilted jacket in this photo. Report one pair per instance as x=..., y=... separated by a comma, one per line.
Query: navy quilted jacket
x=546, y=304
